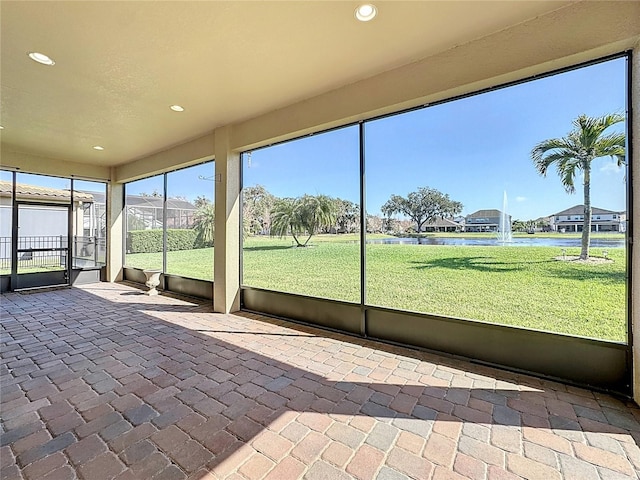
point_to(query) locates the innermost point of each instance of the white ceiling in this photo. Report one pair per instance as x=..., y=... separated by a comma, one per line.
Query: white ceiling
x=120, y=65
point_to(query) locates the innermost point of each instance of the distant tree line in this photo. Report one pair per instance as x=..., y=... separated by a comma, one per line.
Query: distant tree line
x=307, y=215
x=301, y=217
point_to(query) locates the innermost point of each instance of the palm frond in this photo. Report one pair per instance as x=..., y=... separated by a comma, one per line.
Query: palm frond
x=576, y=151
x=590, y=129
x=204, y=224
x=563, y=155
x=581, y=146
x=612, y=145
x=567, y=171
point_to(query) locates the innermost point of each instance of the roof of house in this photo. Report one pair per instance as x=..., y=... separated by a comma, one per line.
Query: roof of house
x=35, y=193
x=442, y=222
x=579, y=210
x=148, y=201
x=157, y=202
x=485, y=213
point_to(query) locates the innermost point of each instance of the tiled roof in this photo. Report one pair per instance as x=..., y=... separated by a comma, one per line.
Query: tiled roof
x=147, y=201
x=35, y=193
x=442, y=222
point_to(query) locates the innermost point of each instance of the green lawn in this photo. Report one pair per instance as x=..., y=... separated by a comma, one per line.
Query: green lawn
x=25, y=266
x=522, y=286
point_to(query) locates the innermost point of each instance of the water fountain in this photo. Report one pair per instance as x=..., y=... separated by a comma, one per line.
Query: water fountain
x=504, y=225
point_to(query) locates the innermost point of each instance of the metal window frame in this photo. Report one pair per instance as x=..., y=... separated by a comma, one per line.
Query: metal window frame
x=166, y=277
x=598, y=364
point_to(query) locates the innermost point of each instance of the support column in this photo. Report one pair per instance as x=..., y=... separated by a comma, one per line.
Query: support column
x=78, y=218
x=115, y=225
x=634, y=145
x=226, y=278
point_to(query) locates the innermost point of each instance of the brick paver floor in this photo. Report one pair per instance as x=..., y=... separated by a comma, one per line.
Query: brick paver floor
x=103, y=382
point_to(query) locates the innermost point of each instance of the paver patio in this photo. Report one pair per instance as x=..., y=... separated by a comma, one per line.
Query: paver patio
x=103, y=382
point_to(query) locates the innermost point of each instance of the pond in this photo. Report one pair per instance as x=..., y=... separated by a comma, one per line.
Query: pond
x=531, y=241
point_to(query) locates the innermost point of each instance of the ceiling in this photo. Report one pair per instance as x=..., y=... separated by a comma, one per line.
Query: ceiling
x=120, y=65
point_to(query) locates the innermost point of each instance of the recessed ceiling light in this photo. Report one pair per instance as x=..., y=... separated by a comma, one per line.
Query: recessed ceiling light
x=41, y=58
x=177, y=108
x=366, y=12
x=98, y=147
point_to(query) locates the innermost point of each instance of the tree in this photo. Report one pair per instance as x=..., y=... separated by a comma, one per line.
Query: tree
x=134, y=220
x=204, y=225
x=284, y=218
x=422, y=206
x=300, y=216
x=155, y=193
x=375, y=224
x=200, y=201
x=575, y=153
x=257, y=203
x=348, y=216
x=317, y=212
x=519, y=226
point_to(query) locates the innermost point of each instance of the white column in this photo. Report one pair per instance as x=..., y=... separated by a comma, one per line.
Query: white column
x=78, y=219
x=226, y=278
x=115, y=222
x=635, y=260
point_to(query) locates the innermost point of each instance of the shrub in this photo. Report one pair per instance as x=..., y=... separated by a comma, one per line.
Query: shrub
x=150, y=241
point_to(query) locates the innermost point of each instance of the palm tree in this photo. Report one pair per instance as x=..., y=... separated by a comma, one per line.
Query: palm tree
x=302, y=215
x=317, y=212
x=204, y=225
x=285, y=219
x=575, y=152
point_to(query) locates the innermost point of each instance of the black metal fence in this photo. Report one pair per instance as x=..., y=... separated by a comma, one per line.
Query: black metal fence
x=50, y=252
x=5, y=254
x=41, y=253
x=89, y=251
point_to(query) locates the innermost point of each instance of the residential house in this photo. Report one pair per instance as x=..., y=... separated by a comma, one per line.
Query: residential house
x=484, y=221
x=441, y=224
x=42, y=220
x=147, y=212
x=572, y=219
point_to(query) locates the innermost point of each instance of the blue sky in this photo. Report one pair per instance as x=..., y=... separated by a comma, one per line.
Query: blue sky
x=187, y=183
x=473, y=149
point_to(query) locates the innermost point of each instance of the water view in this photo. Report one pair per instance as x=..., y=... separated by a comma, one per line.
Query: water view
x=529, y=241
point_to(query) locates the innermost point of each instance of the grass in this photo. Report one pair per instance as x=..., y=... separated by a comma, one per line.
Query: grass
x=509, y=285
x=26, y=267
x=520, y=286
